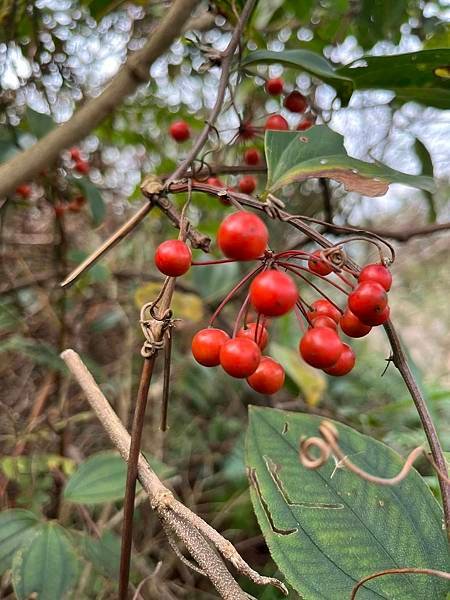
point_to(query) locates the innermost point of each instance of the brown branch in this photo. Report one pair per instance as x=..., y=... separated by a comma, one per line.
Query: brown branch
x=406, y=570
x=175, y=516
x=25, y=165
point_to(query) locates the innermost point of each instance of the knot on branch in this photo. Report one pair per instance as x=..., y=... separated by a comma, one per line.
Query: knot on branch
x=156, y=329
x=152, y=185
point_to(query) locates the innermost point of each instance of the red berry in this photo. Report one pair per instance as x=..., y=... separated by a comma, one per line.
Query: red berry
x=377, y=273
x=317, y=265
x=242, y=236
x=344, y=364
x=23, y=190
x=79, y=201
x=324, y=308
x=258, y=334
x=296, y=102
x=173, y=257
x=380, y=318
x=324, y=321
x=367, y=301
x=75, y=154
x=352, y=326
x=252, y=156
x=268, y=377
x=274, y=86
x=215, y=181
x=240, y=357
x=321, y=347
x=273, y=293
x=276, y=122
x=73, y=207
x=82, y=167
x=59, y=209
x=179, y=130
x=305, y=124
x=206, y=345
x=247, y=184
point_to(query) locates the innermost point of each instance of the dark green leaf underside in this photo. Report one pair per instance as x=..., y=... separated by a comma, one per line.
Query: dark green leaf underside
x=327, y=529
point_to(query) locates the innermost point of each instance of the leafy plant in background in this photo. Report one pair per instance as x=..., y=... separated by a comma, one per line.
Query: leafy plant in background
x=331, y=521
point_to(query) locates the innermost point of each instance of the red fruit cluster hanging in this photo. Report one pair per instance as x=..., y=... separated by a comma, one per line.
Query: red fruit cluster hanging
x=272, y=292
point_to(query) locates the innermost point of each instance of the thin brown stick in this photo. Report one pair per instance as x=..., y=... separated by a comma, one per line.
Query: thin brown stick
x=400, y=571
x=25, y=165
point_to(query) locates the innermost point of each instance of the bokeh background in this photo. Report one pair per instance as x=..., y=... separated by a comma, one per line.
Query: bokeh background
x=56, y=54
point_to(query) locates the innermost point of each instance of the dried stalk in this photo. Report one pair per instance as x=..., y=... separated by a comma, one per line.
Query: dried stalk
x=198, y=537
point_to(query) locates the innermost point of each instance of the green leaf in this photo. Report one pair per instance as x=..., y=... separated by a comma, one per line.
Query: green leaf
x=39, y=123
x=96, y=204
x=103, y=553
x=101, y=478
x=47, y=565
x=16, y=527
x=427, y=169
x=320, y=152
x=328, y=528
x=421, y=76
x=307, y=61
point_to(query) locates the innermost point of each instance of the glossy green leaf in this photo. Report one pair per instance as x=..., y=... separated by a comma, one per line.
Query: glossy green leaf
x=96, y=203
x=101, y=478
x=307, y=61
x=16, y=527
x=426, y=169
x=319, y=152
x=46, y=566
x=328, y=528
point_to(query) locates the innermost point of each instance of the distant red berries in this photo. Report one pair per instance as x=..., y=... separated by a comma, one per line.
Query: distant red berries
x=179, y=131
x=247, y=184
x=215, y=181
x=75, y=154
x=274, y=86
x=24, y=190
x=268, y=377
x=273, y=293
x=296, y=102
x=305, y=123
x=206, y=346
x=276, y=122
x=242, y=236
x=252, y=156
x=82, y=167
x=173, y=257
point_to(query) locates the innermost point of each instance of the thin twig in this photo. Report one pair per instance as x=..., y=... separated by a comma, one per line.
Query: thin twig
x=400, y=571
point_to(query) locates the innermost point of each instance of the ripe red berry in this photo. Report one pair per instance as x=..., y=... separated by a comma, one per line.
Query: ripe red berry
x=377, y=273
x=380, y=318
x=206, y=345
x=79, y=201
x=215, y=181
x=296, y=102
x=252, y=156
x=273, y=293
x=352, y=326
x=240, y=357
x=82, y=167
x=23, y=190
x=276, y=122
x=258, y=334
x=367, y=301
x=268, y=377
x=173, y=257
x=324, y=308
x=73, y=207
x=305, y=124
x=247, y=184
x=274, y=86
x=344, y=364
x=317, y=265
x=179, y=130
x=242, y=236
x=320, y=347
x=324, y=321
x=75, y=154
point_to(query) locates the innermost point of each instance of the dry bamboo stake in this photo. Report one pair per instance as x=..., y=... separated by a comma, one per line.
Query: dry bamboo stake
x=203, y=542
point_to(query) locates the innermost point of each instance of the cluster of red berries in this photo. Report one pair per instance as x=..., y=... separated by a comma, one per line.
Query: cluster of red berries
x=295, y=102
x=80, y=165
x=243, y=236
